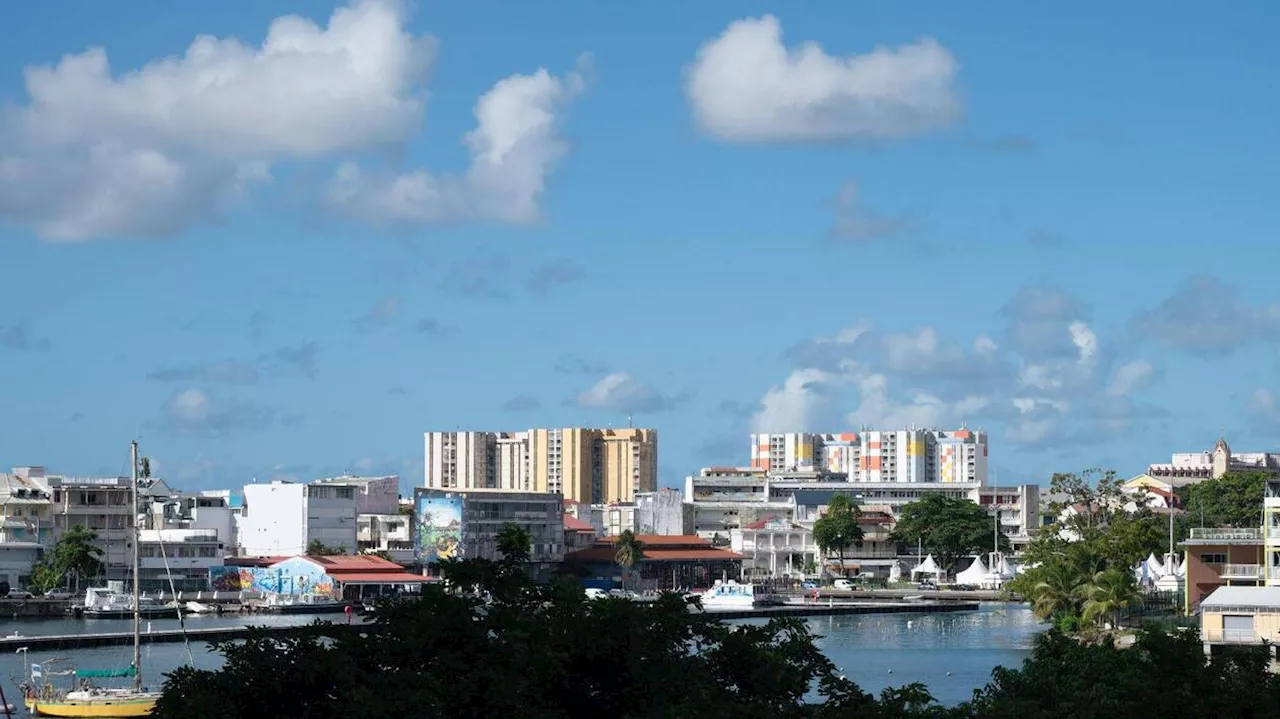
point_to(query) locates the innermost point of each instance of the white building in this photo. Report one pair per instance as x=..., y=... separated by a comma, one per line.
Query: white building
x=283, y=518
x=907, y=455
x=177, y=559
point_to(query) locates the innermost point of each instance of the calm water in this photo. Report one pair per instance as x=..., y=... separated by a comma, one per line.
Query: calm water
x=874, y=650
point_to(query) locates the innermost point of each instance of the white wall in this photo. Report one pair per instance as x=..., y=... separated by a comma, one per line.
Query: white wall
x=275, y=520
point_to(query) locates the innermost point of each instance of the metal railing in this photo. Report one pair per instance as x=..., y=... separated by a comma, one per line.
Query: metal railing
x=1241, y=571
x=1220, y=535
x=1235, y=636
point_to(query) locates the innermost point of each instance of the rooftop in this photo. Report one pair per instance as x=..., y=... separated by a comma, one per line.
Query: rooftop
x=1251, y=598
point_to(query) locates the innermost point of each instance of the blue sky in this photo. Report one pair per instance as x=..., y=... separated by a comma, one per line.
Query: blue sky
x=290, y=260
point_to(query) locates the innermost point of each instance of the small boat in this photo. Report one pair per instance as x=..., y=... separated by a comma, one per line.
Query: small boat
x=82, y=698
x=301, y=604
x=732, y=595
x=112, y=602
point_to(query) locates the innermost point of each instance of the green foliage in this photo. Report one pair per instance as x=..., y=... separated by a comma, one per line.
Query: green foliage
x=75, y=558
x=514, y=543
x=837, y=529
x=1232, y=500
x=319, y=549
x=947, y=527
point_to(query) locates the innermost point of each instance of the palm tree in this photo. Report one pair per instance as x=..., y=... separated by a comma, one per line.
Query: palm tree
x=1110, y=591
x=1058, y=592
x=628, y=551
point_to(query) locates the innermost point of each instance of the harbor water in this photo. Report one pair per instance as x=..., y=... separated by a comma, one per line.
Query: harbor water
x=952, y=653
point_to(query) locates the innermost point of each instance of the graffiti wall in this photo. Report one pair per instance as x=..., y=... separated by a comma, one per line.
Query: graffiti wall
x=295, y=575
x=437, y=521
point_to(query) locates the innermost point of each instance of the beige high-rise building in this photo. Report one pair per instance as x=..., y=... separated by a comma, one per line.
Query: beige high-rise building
x=592, y=466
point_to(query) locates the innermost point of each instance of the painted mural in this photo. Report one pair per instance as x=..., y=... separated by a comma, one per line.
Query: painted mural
x=438, y=528
x=295, y=575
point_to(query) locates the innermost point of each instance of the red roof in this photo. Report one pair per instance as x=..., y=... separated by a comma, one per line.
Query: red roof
x=382, y=578
x=574, y=524
x=605, y=554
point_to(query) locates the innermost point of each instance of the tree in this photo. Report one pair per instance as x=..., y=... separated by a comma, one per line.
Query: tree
x=1232, y=500
x=1111, y=590
x=319, y=549
x=628, y=551
x=948, y=527
x=75, y=556
x=837, y=529
x=514, y=544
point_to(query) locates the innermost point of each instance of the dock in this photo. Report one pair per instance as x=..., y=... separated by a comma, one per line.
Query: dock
x=46, y=642
x=841, y=608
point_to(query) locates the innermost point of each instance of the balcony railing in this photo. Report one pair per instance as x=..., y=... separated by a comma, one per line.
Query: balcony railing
x=1226, y=535
x=1242, y=571
x=1235, y=636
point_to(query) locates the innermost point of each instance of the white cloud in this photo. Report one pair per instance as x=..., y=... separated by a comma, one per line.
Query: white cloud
x=515, y=145
x=174, y=142
x=1130, y=378
x=620, y=392
x=745, y=85
x=802, y=403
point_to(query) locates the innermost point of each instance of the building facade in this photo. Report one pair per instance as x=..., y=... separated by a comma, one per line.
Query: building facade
x=594, y=466
x=908, y=455
x=466, y=524
x=282, y=518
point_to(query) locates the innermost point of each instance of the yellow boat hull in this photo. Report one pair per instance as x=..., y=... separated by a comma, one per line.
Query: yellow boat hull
x=105, y=707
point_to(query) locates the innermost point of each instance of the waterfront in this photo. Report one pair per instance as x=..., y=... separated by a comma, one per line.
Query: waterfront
x=874, y=650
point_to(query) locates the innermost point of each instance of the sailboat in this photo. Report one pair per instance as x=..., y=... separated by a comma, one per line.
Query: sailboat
x=85, y=699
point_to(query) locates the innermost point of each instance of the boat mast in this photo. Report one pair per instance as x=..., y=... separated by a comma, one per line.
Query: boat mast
x=137, y=597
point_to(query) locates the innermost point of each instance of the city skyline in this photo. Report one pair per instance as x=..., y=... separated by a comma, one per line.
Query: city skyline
x=383, y=219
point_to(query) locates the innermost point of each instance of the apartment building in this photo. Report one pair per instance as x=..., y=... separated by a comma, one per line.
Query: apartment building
x=595, y=466
x=909, y=455
x=281, y=519
x=1186, y=468
x=26, y=526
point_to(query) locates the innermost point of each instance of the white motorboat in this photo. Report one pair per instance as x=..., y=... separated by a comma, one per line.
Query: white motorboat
x=732, y=595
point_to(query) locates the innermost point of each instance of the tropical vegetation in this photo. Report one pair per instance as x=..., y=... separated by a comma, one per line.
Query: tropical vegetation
x=491, y=642
x=1078, y=569
x=837, y=529
x=948, y=528
x=74, y=559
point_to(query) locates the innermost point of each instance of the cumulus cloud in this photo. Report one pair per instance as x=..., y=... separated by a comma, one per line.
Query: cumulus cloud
x=747, y=86
x=514, y=147
x=1049, y=380
x=855, y=222
x=620, y=392
x=193, y=411
x=174, y=142
x=1204, y=315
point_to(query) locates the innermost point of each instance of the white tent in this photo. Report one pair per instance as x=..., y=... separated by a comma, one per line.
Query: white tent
x=976, y=573
x=928, y=566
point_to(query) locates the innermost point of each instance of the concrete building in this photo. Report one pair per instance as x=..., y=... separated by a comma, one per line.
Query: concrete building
x=26, y=526
x=1017, y=509
x=390, y=533
x=909, y=455
x=177, y=559
x=663, y=512
x=1191, y=467
x=465, y=524
x=595, y=466
x=283, y=518
x=374, y=495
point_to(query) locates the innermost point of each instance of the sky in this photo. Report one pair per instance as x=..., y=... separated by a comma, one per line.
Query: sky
x=283, y=240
